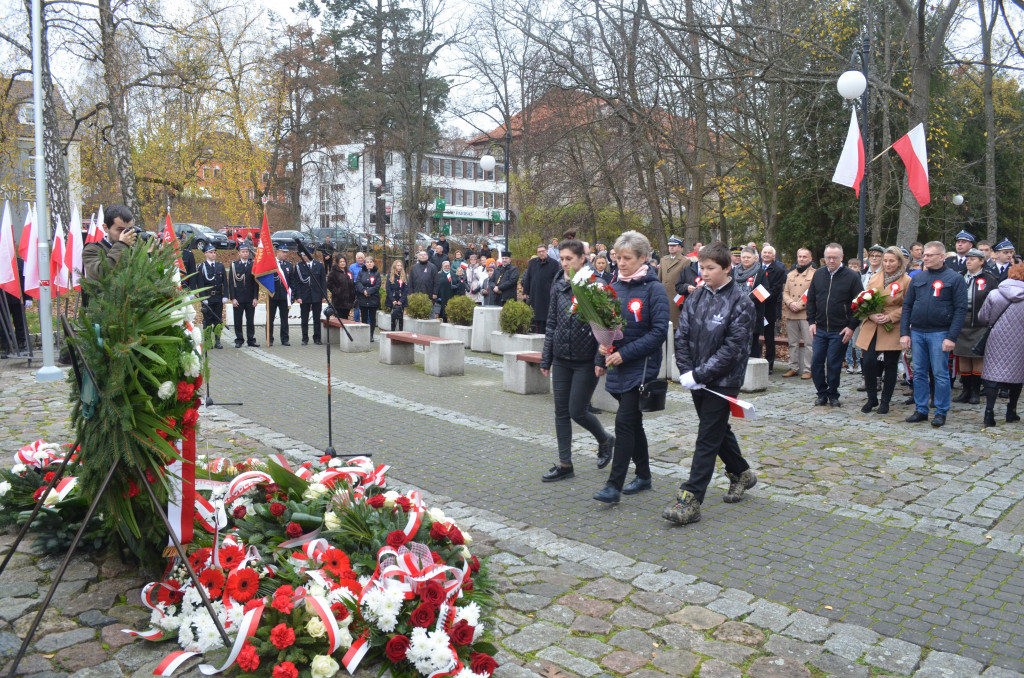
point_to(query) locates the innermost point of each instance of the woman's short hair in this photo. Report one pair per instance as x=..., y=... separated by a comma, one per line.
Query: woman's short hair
x=717, y=252
x=1016, y=272
x=635, y=242
x=571, y=244
x=747, y=249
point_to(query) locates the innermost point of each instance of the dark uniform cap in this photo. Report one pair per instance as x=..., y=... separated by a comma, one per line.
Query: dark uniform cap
x=1003, y=245
x=876, y=248
x=964, y=235
x=243, y=246
x=282, y=247
x=210, y=248
x=675, y=241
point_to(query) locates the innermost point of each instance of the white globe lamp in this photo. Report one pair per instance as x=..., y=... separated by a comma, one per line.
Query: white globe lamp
x=851, y=85
x=958, y=200
x=487, y=163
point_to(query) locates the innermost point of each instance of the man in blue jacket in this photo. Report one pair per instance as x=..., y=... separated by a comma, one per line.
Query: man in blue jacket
x=933, y=314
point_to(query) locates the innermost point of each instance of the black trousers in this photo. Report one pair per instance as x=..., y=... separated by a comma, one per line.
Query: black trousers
x=572, y=384
x=17, y=314
x=397, y=319
x=769, y=344
x=278, y=305
x=369, y=316
x=316, y=309
x=869, y=362
x=755, y=345
x=630, y=439
x=249, y=311
x=714, y=439
x=213, y=314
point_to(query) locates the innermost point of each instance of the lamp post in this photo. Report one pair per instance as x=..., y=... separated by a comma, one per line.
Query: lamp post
x=487, y=163
x=853, y=84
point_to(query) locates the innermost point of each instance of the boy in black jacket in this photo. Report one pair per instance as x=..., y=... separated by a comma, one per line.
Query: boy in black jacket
x=712, y=349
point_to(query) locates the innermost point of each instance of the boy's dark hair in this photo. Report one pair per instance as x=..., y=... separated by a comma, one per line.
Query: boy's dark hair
x=717, y=252
x=574, y=246
x=117, y=212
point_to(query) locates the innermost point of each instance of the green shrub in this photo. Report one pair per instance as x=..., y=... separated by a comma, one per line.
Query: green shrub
x=419, y=306
x=384, y=295
x=460, y=310
x=516, y=317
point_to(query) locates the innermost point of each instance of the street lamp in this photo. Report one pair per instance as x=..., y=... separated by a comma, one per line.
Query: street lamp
x=487, y=163
x=853, y=84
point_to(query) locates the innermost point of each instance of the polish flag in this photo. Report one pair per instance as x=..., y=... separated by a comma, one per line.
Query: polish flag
x=58, y=273
x=10, y=282
x=28, y=249
x=850, y=170
x=912, y=150
x=171, y=239
x=761, y=293
x=73, y=250
x=740, y=409
x=97, y=230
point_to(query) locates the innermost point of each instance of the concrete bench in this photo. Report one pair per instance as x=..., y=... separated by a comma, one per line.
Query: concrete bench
x=522, y=373
x=784, y=341
x=441, y=357
x=756, y=377
x=360, y=342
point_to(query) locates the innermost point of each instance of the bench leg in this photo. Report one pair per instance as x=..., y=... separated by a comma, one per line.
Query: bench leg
x=444, y=359
x=396, y=352
x=523, y=378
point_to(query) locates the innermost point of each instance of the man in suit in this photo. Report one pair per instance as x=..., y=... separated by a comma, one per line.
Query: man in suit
x=775, y=276
x=244, y=295
x=506, y=278
x=279, y=300
x=211, y=274
x=669, y=274
x=964, y=242
x=1003, y=257
x=309, y=287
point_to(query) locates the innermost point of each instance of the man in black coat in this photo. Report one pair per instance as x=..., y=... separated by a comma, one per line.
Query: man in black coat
x=775, y=276
x=506, y=278
x=279, y=300
x=540, y=273
x=309, y=287
x=831, y=321
x=189, y=259
x=422, y=275
x=244, y=295
x=211, y=275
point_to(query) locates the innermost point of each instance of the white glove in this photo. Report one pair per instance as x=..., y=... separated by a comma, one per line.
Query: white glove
x=687, y=381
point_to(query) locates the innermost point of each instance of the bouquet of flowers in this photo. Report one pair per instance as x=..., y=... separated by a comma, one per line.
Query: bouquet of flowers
x=868, y=303
x=597, y=304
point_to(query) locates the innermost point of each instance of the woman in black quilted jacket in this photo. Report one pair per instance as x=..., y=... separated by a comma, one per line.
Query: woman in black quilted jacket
x=570, y=354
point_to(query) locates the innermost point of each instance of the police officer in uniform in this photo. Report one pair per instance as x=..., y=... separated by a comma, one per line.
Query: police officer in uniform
x=211, y=274
x=964, y=242
x=189, y=260
x=309, y=285
x=1003, y=258
x=244, y=295
x=279, y=299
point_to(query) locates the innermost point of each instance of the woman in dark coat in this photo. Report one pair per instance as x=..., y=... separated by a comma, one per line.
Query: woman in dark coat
x=570, y=353
x=368, y=293
x=1004, y=311
x=750, y=274
x=634, y=360
x=341, y=288
x=397, y=296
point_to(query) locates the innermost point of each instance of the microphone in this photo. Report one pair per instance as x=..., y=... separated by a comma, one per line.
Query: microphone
x=302, y=248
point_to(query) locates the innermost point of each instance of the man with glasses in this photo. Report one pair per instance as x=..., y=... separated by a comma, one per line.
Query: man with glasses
x=831, y=321
x=933, y=314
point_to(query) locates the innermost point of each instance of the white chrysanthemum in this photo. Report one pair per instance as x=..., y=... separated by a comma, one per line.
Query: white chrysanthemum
x=197, y=337
x=363, y=580
x=192, y=598
x=190, y=313
x=169, y=622
x=19, y=469
x=470, y=614
x=207, y=636
x=233, y=614
x=186, y=638
x=315, y=491
x=335, y=462
x=478, y=631
x=190, y=364
x=49, y=446
x=437, y=515
x=332, y=521
x=429, y=651
x=5, y=487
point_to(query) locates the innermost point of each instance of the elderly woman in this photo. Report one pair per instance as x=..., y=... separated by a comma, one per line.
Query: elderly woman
x=980, y=282
x=749, y=274
x=874, y=340
x=633, y=360
x=342, y=287
x=1004, y=311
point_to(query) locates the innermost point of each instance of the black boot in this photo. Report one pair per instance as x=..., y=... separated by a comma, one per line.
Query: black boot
x=990, y=418
x=991, y=389
x=975, y=389
x=1011, y=407
x=965, y=394
x=872, y=402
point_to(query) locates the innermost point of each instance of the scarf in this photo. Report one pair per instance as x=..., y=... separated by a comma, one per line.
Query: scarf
x=640, y=274
x=801, y=269
x=742, y=274
x=890, y=279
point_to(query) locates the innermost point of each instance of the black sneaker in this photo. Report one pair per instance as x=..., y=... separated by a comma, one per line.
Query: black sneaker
x=637, y=485
x=238, y=344
x=917, y=417
x=253, y=344
x=318, y=342
x=821, y=401
x=305, y=342
x=834, y=402
x=284, y=342
x=604, y=452
x=939, y=420
x=558, y=472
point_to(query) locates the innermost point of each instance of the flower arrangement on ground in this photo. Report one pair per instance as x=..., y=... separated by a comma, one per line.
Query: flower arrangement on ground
x=868, y=303
x=598, y=304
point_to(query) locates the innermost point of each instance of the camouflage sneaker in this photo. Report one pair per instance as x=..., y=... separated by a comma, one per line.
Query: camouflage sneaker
x=738, y=484
x=686, y=509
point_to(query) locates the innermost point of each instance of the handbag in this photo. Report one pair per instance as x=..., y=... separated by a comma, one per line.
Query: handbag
x=652, y=393
x=979, y=347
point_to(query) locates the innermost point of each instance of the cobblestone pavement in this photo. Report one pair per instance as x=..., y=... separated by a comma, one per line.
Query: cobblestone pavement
x=836, y=564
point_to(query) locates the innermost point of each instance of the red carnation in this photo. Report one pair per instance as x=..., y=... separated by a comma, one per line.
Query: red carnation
x=38, y=493
x=213, y=580
x=456, y=536
x=424, y=615
x=248, y=658
x=277, y=509
x=467, y=585
x=438, y=531
x=282, y=636
x=171, y=422
x=339, y=611
x=352, y=585
x=252, y=605
x=396, y=539
x=325, y=458
x=197, y=384
x=462, y=633
x=283, y=604
x=185, y=393
x=242, y=584
x=149, y=476
x=238, y=512
x=481, y=663
x=432, y=593
x=376, y=501
x=286, y=670
x=293, y=530
x=396, y=648
x=405, y=503
x=49, y=477
x=230, y=556
x=133, y=489
x=190, y=417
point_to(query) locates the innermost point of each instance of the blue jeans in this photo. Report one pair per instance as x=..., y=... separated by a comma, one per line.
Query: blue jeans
x=926, y=348
x=355, y=314
x=827, y=362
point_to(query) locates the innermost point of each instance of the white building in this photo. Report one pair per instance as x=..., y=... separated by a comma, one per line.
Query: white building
x=338, y=193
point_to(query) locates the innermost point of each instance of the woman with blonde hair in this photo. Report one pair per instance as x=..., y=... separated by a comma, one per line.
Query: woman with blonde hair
x=397, y=289
x=875, y=340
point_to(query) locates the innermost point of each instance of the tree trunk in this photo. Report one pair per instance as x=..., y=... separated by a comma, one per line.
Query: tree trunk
x=991, y=210
x=118, y=118
x=702, y=143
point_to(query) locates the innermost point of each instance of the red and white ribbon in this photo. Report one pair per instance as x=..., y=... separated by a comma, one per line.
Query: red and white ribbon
x=246, y=630
x=415, y=515
x=64, y=487
x=356, y=653
x=981, y=284
x=635, y=306
x=151, y=634
x=172, y=662
x=894, y=288
x=245, y=482
x=937, y=286
x=322, y=609
x=37, y=454
x=300, y=540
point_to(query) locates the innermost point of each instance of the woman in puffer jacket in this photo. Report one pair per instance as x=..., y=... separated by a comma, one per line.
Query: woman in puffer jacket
x=633, y=360
x=570, y=354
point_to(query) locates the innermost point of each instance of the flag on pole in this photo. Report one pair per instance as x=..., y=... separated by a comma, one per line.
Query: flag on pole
x=28, y=248
x=914, y=153
x=850, y=170
x=97, y=230
x=740, y=409
x=73, y=250
x=58, y=274
x=265, y=265
x=10, y=281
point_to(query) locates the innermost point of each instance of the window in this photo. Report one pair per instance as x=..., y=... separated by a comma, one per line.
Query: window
x=27, y=114
x=436, y=164
x=459, y=200
x=499, y=172
x=448, y=171
x=470, y=198
x=425, y=166
x=458, y=169
x=489, y=176
x=499, y=201
x=325, y=201
x=216, y=173
x=479, y=198
x=325, y=221
x=448, y=196
x=488, y=200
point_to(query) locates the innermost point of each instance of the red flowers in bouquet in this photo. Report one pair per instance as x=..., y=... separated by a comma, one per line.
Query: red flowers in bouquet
x=481, y=663
x=396, y=648
x=336, y=562
x=242, y=584
x=293, y=530
x=868, y=303
x=462, y=633
x=230, y=556
x=213, y=580
x=277, y=509
x=282, y=636
x=185, y=391
x=376, y=501
x=439, y=531
x=424, y=615
x=396, y=539
x=248, y=658
x=285, y=670
x=597, y=304
x=432, y=593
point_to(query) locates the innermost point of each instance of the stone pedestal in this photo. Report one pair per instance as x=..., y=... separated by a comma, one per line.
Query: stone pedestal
x=524, y=377
x=461, y=333
x=502, y=343
x=485, y=321
x=396, y=352
x=383, y=321
x=668, y=362
x=756, y=377
x=429, y=328
x=260, y=316
x=602, y=399
x=444, y=358
x=360, y=342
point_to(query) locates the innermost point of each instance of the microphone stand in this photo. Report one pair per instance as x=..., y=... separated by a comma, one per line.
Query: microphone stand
x=328, y=312
x=209, y=401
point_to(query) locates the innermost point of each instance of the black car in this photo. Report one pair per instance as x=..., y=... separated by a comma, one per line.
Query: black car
x=201, y=236
x=288, y=238
x=342, y=239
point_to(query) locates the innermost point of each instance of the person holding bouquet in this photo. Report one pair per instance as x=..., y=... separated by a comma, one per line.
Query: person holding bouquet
x=633, y=360
x=879, y=329
x=569, y=356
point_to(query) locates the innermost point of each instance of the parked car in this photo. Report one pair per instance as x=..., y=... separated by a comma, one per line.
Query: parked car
x=200, y=236
x=342, y=238
x=237, y=234
x=288, y=238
